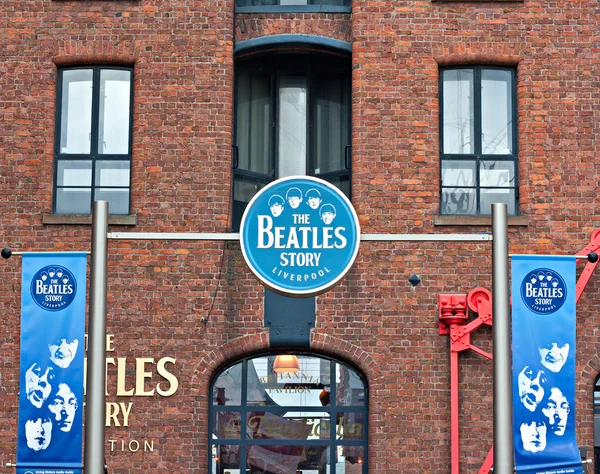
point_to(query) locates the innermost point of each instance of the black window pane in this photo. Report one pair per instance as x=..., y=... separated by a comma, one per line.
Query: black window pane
x=73, y=201
x=244, y=190
x=253, y=120
x=225, y=458
x=292, y=116
x=331, y=123
x=342, y=182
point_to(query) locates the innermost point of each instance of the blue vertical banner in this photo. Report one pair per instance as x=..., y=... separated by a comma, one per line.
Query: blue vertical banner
x=543, y=338
x=53, y=296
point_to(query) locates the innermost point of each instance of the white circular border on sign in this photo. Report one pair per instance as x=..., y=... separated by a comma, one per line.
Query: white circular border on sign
x=301, y=293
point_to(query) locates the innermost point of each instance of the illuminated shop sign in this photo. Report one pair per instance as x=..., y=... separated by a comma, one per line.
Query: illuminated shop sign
x=300, y=236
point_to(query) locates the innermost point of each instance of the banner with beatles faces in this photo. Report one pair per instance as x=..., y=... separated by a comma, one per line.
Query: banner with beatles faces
x=53, y=296
x=543, y=338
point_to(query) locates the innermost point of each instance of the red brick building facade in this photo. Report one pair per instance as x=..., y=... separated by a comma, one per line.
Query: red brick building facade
x=196, y=303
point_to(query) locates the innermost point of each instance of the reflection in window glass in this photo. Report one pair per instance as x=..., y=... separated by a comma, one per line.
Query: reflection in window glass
x=73, y=201
x=458, y=173
x=86, y=133
x=496, y=112
x=74, y=173
x=350, y=459
x=295, y=416
x=76, y=112
x=226, y=458
x=459, y=201
x=112, y=173
x=292, y=126
x=350, y=387
x=227, y=424
x=227, y=389
x=459, y=124
x=478, y=120
x=301, y=388
x=497, y=174
x=113, y=125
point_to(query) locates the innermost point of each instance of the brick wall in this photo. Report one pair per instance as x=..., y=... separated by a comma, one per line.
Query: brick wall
x=182, y=54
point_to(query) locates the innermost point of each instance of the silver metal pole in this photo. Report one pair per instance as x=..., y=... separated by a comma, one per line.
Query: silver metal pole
x=503, y=425
x=96, y=360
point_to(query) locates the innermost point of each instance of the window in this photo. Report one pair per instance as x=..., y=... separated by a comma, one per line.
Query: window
x=248, y=3
x=478, y=140
x=93, y=139
x=331, y=6
x=292, y=117
x=310, y=418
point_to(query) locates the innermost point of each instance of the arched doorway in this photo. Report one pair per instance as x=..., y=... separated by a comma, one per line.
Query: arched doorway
x=292, y=413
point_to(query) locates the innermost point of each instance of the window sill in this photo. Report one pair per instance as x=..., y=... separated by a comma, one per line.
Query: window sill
x=86, y=219
x=478, y=220
x=477, y=1
x=294, y=9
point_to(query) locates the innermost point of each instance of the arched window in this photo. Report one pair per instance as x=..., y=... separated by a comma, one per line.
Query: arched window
x=292, y=117
x=288, y=414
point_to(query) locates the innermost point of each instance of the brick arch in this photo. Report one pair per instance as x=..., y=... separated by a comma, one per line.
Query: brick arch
x=477, y=53
x=74, y=52
x=591, y=371
x=286, y=40
x=585, y=399
x=247, y=345
x=321, y=344
x=235, y=349
x=344, y=350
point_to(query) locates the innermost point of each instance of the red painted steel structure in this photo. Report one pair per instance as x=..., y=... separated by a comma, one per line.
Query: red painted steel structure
x=453, y=321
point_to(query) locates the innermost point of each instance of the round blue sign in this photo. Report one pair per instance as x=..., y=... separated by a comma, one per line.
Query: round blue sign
x=300, y=236
x=543, y=291
x=53, y=288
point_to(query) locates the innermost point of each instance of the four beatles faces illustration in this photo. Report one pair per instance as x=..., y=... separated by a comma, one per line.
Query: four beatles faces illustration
x=294, y=199
x=52, y=402
x=546, y=409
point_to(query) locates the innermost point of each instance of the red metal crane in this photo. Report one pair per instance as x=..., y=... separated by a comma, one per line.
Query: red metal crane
x=453, y=321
